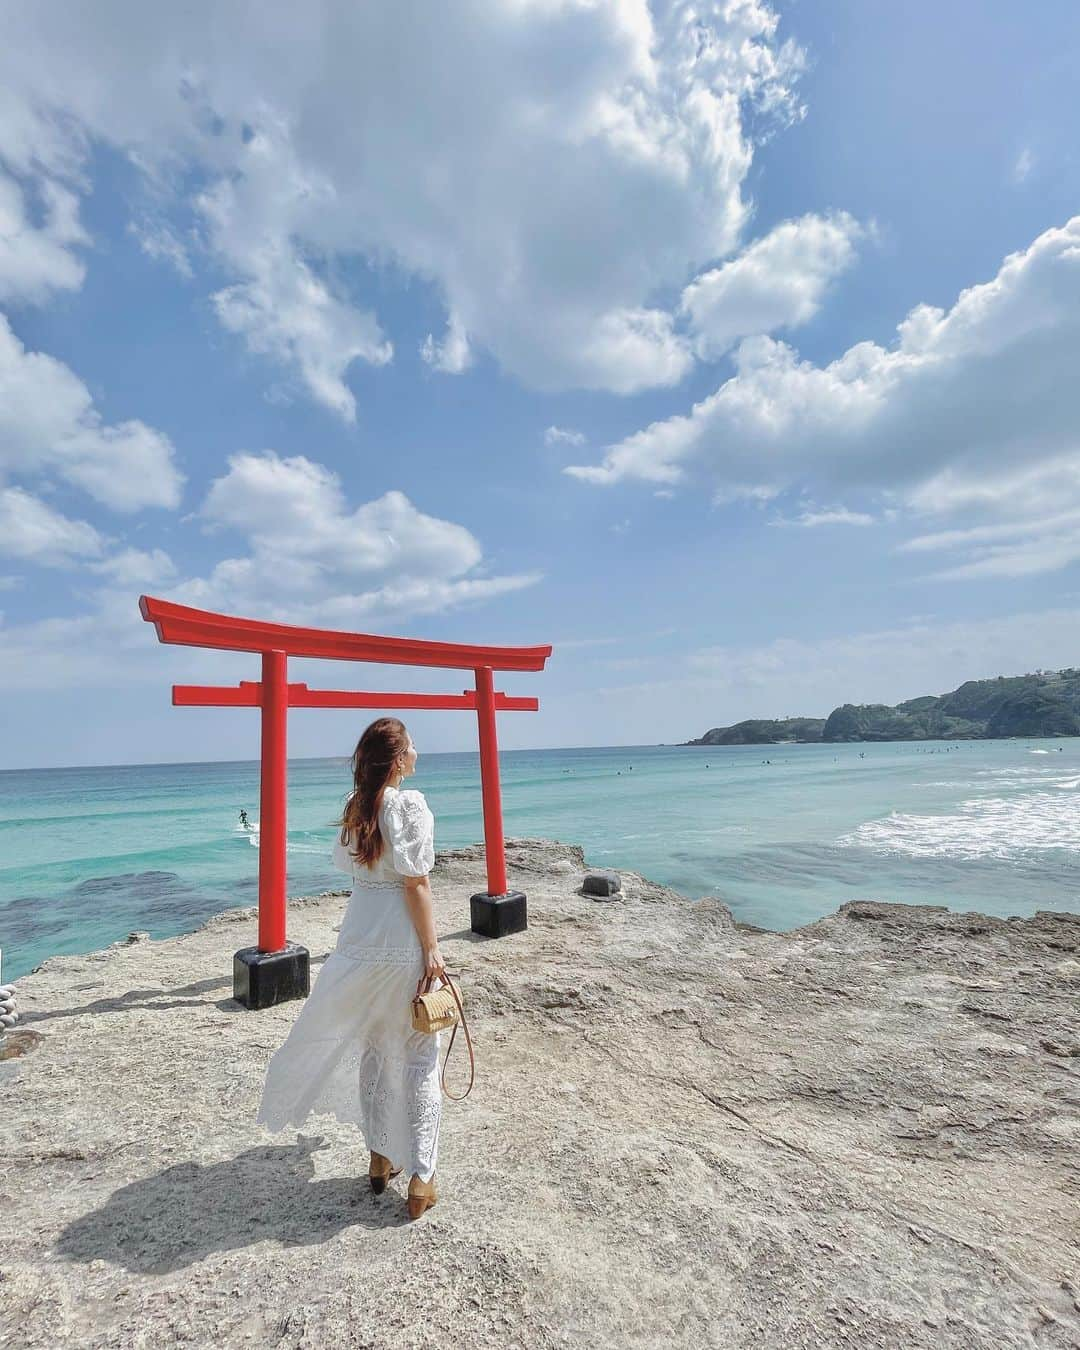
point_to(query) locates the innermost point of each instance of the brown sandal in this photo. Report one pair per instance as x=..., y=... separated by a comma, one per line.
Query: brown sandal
x=422, y=1195
x=380, y=1170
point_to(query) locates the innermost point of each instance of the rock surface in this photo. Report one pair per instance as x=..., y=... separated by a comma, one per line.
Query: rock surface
x=684, y=1131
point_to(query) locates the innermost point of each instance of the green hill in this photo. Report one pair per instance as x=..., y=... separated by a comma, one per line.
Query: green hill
x=765, y=732
x=1044, y=704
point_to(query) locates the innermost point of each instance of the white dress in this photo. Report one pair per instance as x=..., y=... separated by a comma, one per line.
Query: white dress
x=352, y=1052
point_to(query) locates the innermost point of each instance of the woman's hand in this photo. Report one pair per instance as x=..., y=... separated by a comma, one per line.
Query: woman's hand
x=433, y=962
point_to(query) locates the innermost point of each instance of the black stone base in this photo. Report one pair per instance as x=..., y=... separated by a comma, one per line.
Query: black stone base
x=261, y=979
x=496, y=915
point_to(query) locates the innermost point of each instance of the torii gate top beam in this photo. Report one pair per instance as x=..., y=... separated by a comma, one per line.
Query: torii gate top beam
x=188, y=627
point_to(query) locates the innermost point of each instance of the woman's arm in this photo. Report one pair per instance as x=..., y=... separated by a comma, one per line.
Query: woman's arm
x=421, y=907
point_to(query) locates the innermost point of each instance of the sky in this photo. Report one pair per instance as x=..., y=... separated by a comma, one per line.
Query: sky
x=731, y=349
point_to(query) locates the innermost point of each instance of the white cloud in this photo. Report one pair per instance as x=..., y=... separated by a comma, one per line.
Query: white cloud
x=829, y=515
x=158, y=240
x=569, y=644
x=106, y=645
x=628, y=350
x=396, y=601
x=563, y=436
x=987, y=534
x=549, y=168
x=721, y=685
x=32, y=530
x=282, y=308
x=1029, y=490
x=1010, y=548
x=137, y=568
x=312, y=556
x=36, y=260
x=889, y=665
x=1028, y=557
x=306, y=556
x=1025, y=162
x=779, y=281
x=636, y=639
x=452, y=355
x=288, y=313
x=296, y=508
x=49, y=425
x=977, y=407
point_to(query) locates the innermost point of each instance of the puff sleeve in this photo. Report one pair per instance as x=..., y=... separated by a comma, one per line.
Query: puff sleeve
x=341, y=856
x=411, y=830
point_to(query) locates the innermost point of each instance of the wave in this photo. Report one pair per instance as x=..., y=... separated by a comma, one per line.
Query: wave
x=983, y=827
x=1000, y=771
x=313, y=848
x=1044, y=779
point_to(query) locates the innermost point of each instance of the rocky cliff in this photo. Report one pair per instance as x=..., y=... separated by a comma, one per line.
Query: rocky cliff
x=1043, y=704
x=684, y=1132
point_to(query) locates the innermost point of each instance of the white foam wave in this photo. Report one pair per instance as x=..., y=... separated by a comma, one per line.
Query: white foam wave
x=1046, y=778
x=984, y=827
x=320, y=849
x=1027, y=771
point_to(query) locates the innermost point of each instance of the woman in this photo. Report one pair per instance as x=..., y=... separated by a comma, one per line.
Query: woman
x=352, y=1051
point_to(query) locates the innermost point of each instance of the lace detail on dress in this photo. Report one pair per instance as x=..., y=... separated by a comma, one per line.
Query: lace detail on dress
x=382, y=1076
x=411, y=828
x=395, y=1099
x=382, y=956
x=407, y=828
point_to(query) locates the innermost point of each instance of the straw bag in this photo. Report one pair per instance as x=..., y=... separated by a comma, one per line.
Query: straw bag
x=436, y=1010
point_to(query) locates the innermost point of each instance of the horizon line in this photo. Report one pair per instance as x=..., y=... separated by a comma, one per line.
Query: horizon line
x=301, y=759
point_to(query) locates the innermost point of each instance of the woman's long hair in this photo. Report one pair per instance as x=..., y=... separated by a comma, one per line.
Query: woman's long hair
x=383, y=743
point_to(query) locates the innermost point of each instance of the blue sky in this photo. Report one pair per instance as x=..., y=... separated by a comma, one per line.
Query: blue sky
x=733, y=352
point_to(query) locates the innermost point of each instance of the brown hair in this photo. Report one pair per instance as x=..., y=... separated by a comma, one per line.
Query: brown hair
x=378, y=750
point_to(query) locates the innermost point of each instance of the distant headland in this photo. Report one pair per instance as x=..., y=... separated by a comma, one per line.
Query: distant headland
x=1046, y=703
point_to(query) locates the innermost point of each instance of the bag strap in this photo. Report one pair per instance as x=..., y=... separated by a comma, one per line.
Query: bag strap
x=453, y=1036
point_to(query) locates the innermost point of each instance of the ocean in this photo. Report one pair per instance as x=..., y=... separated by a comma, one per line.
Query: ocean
x=783, y=834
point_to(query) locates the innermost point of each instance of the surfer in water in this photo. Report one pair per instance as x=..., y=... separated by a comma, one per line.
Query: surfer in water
x=245, y=824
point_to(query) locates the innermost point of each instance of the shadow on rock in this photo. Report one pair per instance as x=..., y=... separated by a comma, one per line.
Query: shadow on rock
x=165, y=1222
x=137, y=998
x=154, y=998
x=467, y=934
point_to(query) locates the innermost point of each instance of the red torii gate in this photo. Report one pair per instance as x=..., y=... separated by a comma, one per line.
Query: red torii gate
x=277, y=969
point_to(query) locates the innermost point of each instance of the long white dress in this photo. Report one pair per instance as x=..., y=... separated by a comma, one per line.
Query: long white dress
x=352, y=1052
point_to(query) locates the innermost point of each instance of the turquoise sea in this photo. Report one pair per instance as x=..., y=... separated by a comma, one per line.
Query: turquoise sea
x=784, y=834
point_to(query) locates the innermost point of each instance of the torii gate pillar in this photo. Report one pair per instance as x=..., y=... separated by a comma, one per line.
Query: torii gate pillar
x=494, y=912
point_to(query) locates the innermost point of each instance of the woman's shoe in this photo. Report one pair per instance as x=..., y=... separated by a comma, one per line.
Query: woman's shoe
x=380, y=1170
x=422, y=1195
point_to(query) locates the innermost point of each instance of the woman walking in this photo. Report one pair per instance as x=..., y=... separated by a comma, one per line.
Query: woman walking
x=352, y=1051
